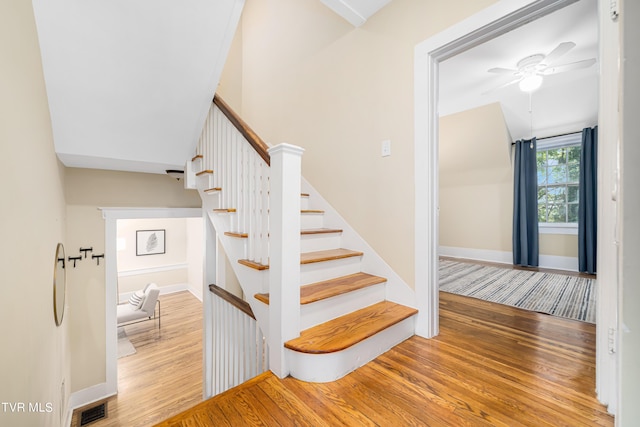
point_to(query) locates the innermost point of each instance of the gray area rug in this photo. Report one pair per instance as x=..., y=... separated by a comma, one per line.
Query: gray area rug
x=125, y=348
x=555, y=294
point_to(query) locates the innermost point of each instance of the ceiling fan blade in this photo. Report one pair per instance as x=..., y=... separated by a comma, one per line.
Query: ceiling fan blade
x=558, y=52
x=502, y=86
x=499, y=70
x=568, y=67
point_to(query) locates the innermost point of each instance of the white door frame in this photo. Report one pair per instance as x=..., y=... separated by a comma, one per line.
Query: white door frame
x=111, y=216
x=477, y=29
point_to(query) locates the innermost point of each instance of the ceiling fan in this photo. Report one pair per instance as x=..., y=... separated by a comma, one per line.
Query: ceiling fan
x=532, y=69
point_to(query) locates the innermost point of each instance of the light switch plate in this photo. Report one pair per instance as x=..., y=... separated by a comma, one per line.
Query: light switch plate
x=386, y=148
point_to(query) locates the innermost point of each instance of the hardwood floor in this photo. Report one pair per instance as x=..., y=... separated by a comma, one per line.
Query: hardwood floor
x=491, y=365
x=164, y=376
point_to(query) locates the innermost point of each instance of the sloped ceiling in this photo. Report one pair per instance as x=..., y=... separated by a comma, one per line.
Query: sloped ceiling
x=356, y=11
x=130, y=82
x=566, y=102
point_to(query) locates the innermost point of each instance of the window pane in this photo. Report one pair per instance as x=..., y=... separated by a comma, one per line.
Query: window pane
x=574, y=154
x=557, y=194
x=573, y=212
x=574, y=173
x=556, y=157
x=541, y=159
x=542, y=175
x=542, y=195
x=572, y=193
x=542, y=212
x=557, y=213
x=557, y=174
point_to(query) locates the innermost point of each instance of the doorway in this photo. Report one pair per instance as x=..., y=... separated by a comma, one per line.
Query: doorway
x=497, y=19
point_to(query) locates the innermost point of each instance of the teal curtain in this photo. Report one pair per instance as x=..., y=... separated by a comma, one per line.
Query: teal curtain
x=525, y=204
x=588, y=209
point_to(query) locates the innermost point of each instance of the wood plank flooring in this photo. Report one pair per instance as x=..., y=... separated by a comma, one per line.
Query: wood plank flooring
x=491, y=365
x=164, y=376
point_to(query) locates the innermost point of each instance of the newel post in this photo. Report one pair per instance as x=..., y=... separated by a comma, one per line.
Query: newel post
x=284, y=252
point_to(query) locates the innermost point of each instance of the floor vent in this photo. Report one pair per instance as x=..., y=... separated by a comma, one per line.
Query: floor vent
x=93, y=414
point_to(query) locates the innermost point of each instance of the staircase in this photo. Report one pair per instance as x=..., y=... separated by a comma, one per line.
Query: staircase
x=352, y=306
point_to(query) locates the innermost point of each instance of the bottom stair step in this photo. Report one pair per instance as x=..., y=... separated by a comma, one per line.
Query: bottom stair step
x=331, y=350
x=346, y=331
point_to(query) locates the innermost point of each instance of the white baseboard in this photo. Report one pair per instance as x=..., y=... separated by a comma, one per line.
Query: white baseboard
x=195, y=293
x=170, y=289
x=501, y=257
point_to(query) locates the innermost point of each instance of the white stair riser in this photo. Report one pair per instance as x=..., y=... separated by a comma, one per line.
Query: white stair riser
x=205, y=181
x=322, y=311
x=311, y=220
x=322, y=368
x=319, y=242
x=304, y=202
x=319, y=271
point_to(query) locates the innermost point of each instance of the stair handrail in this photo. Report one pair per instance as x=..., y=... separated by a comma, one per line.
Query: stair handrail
x=254, y=140
x=261, y=187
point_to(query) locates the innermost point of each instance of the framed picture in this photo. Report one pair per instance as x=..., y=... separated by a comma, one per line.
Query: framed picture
x=150, y=242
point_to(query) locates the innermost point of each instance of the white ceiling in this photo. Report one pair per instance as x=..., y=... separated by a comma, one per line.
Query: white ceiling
x=130, y=82
x=566, y=102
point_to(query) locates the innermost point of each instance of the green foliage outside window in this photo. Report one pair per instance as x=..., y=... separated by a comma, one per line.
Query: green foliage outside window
x=558, y=181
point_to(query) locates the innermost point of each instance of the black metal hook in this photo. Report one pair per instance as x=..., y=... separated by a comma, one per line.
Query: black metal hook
x=74, y=259
x=97, y=258
x=85, y=250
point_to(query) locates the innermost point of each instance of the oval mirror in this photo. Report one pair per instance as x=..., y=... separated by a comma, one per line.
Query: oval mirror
x=59, y=284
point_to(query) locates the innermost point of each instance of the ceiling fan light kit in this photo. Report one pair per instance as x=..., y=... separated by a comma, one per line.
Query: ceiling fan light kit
x=530, y=83
x=531, y=69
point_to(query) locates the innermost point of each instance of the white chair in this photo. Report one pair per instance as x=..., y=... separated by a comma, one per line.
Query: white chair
x=140, y=307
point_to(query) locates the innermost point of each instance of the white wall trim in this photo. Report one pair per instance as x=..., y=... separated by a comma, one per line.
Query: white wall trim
x=151, y=270
x=496, y=19
x=502, y=257
x=193, y=292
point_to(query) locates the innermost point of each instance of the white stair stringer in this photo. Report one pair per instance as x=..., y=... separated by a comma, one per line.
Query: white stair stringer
x=322, y=368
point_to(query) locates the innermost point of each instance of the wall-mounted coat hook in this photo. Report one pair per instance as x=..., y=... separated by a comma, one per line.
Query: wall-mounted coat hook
x=62, y=261
x=97, y=258
x=74, y=259
x=85, y=250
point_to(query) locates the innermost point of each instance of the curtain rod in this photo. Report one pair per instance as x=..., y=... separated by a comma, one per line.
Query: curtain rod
x=554, y=136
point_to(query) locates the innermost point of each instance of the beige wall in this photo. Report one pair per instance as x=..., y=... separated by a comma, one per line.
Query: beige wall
x=310, y=78
x=129, y=277
x=476, y=185
x=35, y=355
x=86, y=191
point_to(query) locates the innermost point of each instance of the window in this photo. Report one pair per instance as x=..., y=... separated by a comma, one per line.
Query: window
x=558, y=163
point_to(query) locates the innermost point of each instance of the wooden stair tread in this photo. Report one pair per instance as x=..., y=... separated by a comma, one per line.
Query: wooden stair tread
x=236, y=234
x=327, y=255
x=346, y=331
x=311, y=211
x=310, y=257
x=332, y=287
x=253, y=264
x=212, y=190
x=196, y=157
x=223, y=210
x=309, y=231
x=204, y=172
